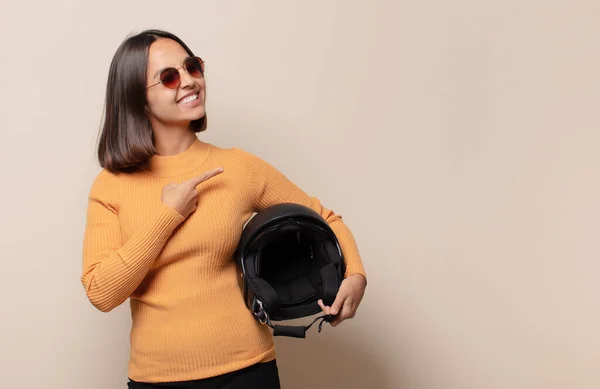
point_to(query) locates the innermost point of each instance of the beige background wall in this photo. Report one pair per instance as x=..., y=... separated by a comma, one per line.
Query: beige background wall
x=459, y=140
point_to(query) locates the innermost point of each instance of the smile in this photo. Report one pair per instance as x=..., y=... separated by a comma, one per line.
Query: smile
x=189, y=99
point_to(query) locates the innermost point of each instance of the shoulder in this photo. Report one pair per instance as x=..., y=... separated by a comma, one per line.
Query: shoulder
x=104, y=185
x=238, y=155
x=238, y=159
x=234, y=152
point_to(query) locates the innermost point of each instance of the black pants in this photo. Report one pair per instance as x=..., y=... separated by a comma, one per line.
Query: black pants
x=260, y=375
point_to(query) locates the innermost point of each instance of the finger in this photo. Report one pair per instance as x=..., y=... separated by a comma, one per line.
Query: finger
x=195, y=181
x=337, y=304
x=345, y=313
x=326, y=310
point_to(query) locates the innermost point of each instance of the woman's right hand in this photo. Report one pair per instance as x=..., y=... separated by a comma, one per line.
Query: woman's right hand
x=184, y=197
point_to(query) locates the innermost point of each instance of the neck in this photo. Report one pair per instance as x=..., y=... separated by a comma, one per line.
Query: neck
x=173, y=140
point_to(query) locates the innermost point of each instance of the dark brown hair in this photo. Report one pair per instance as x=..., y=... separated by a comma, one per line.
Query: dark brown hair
x=126, y=142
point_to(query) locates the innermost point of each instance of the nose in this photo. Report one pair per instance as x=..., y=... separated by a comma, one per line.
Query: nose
x=186, y=79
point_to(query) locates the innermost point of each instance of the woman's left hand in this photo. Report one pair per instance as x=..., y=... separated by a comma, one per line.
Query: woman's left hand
x=349, y=296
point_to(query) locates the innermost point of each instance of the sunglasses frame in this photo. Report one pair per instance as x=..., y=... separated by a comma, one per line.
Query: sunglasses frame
x=182, y=66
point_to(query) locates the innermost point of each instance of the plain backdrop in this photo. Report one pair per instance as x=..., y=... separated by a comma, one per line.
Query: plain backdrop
x=459, y=141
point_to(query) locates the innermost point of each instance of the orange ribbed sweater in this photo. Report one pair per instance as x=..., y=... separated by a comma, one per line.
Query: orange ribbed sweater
x=189, y=320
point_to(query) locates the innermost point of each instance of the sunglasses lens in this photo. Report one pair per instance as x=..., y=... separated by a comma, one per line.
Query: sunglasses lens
x=170, y=78
x=195, y=66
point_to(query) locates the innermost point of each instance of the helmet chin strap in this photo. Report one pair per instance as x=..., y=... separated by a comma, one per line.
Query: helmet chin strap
x=290, y=331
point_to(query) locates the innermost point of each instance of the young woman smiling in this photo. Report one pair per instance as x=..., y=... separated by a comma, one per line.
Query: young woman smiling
x=165, y=215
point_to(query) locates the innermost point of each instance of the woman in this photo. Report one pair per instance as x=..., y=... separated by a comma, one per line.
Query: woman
x=164, y=218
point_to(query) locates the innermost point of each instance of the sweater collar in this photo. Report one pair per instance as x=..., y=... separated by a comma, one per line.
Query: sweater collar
x=187, y=160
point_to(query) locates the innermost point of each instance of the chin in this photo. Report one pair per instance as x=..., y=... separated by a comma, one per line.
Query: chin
x=194, y=114
x=200, y=114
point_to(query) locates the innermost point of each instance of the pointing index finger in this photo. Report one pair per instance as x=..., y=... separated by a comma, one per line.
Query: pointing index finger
x=197, y=180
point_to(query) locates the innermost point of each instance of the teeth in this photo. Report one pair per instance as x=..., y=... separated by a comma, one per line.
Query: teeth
x=188, y=99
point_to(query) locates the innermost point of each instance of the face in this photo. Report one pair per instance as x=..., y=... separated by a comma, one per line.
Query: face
x=173, y=106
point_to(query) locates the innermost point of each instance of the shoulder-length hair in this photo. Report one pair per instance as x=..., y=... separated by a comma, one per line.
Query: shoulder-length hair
x=126, y=142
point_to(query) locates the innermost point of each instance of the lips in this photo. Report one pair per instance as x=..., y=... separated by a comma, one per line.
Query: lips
x=186, y=98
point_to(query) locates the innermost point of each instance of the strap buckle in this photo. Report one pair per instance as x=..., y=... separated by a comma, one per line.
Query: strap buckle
x=261, y=314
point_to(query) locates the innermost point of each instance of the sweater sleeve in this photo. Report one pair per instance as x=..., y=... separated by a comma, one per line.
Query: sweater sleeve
x=112, y=270
x=269, y=187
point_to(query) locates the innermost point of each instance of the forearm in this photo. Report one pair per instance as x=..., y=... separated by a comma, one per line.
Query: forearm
x=111, y=276
x=348, y=245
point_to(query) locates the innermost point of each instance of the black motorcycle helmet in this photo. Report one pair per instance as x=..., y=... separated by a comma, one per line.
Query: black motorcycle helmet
x=289, y=258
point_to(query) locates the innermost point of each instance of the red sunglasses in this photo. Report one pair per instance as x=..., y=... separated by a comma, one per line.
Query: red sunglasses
x=171, y=78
